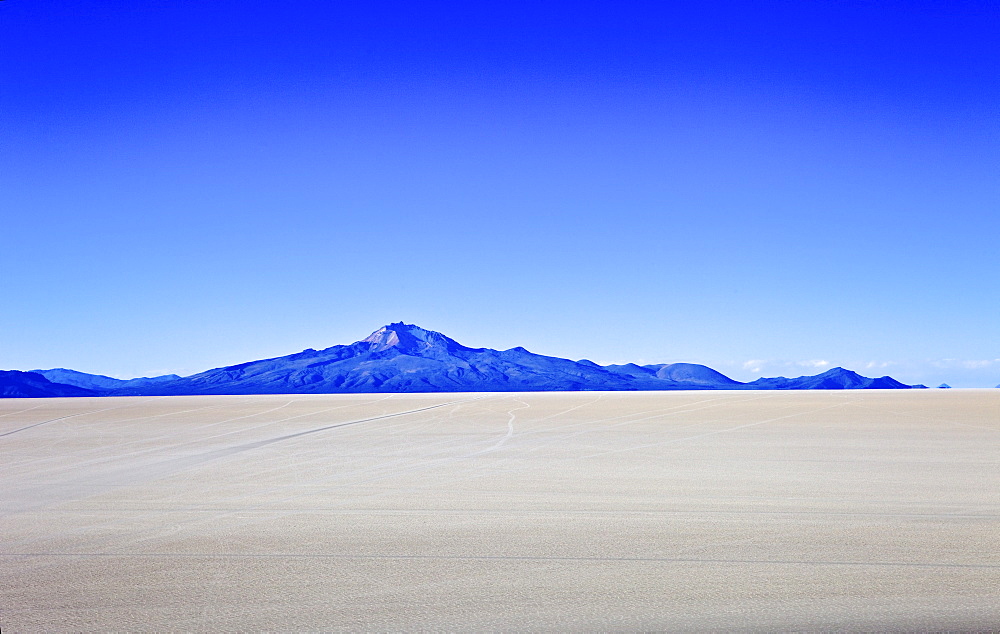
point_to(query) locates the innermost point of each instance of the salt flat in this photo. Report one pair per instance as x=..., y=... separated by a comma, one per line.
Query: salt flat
x=594, y=510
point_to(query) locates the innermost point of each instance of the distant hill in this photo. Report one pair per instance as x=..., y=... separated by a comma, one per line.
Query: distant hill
x=690, y=375
x=17, y=384
x=834, y=379
x=100, y=382
x=406, y=358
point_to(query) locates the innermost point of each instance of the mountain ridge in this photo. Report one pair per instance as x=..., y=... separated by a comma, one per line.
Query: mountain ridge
x=98, y=381
x=834, y=378
x=18, y=384
x=400, y=357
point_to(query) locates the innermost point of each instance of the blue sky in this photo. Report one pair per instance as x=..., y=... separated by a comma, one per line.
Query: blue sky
x=767, y=188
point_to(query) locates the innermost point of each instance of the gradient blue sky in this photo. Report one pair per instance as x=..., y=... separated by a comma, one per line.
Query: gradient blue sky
x=764, y=187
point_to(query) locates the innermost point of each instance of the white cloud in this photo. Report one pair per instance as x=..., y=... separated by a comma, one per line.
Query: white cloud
x=969, y=364
x=814, y=363
x=975, y=365
x=878, y=364
x=774, y=366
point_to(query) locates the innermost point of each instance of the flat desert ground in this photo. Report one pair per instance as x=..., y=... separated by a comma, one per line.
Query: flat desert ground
x=818, y=510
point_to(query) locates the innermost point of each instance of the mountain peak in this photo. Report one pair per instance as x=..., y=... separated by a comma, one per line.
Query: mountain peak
x=839, y=371
x=407, y=338
x=384, y=337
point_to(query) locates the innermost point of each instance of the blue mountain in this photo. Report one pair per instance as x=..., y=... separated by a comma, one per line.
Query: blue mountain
x=694, y=374
x=688, y=375
x=406, y=358
x=16, y=384
x=835, y=379
x=99, y=382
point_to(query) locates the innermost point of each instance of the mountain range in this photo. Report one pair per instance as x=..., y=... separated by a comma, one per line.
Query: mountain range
x=17, y=384
x=406, y=358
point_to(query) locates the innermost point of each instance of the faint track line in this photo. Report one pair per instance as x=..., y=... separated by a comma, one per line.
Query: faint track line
x=53, y=420
x=218, y=453
x=510, y=432
x=21, y=411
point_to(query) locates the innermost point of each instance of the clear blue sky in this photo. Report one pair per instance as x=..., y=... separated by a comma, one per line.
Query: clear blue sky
x=764, y=187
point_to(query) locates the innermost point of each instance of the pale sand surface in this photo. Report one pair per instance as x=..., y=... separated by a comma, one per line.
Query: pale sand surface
x=853, y=510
